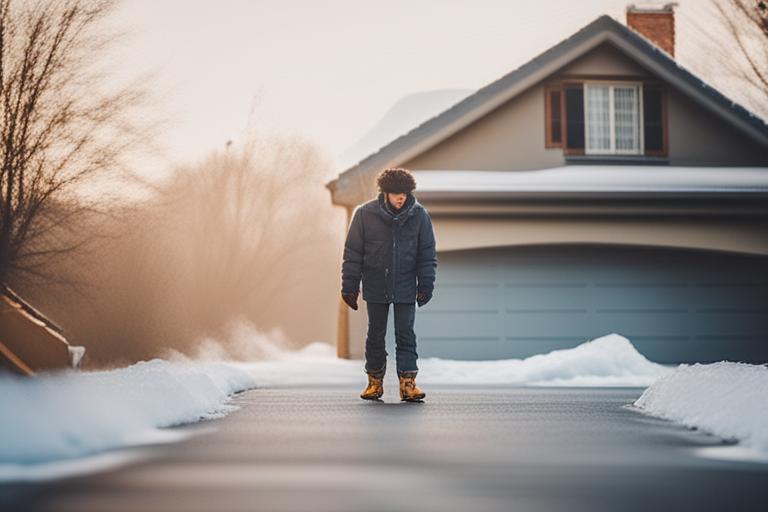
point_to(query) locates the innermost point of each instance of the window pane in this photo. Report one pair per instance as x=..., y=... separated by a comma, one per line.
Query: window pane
x=626, y=118
x=598, y=118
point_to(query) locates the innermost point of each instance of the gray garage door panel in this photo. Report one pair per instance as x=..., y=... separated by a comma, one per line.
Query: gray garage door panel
x=674, y=305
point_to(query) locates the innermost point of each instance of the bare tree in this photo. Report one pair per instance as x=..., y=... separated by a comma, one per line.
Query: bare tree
x=245, y=225
x=747, y=22
x=62, y=129
x=247, y=233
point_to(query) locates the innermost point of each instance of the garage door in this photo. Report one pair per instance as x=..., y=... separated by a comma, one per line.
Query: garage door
x=674, y=305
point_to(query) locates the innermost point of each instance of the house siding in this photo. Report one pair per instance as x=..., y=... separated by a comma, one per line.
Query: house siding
x=697, y=137
x=512, y=137
x=509, y=138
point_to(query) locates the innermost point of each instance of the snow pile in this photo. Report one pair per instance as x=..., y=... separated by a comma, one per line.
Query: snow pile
x=268, y=358
x=606, y=361
x=316, y=363
x=610, y=360
x=727, y=399
x=68, y=414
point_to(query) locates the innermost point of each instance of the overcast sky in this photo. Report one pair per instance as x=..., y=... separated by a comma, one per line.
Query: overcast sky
x=330, y=69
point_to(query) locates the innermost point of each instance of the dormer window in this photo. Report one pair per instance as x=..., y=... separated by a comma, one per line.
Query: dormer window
x=599, y=117
x=612, y=118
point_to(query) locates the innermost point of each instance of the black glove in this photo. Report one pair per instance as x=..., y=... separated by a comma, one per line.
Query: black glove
x=422, y=298
x=350, y=299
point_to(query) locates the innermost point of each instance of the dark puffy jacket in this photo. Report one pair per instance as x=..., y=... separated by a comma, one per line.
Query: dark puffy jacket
x=393, y=254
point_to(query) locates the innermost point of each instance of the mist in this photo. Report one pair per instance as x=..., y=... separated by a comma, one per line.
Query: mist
x=232, y=257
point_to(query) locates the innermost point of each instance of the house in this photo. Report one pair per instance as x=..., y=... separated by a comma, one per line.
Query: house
x=598, y=188
x=29, y=341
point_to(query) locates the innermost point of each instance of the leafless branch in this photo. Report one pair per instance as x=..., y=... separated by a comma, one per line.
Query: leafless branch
x=62, y=127
x=746, y=21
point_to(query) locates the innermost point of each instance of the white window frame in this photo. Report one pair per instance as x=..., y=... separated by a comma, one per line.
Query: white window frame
x=612, y=130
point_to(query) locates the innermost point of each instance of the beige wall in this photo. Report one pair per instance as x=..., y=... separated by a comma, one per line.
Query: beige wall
x=509, y=138
x=697, y=137
x=512, y=136
x=723, y=234
x=604, y=59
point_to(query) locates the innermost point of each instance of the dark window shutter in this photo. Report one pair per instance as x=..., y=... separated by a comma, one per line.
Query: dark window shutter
x=555, y=122
x=574, y=116
x=653, y=131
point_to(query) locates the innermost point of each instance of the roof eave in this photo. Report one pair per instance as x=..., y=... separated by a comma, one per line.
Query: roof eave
x=597, y=204
x=725, y=195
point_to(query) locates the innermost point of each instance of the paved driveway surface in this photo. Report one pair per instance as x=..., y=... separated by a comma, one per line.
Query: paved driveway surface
x=463, y=449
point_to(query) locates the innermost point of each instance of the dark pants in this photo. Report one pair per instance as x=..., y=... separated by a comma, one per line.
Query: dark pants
x=405, y=339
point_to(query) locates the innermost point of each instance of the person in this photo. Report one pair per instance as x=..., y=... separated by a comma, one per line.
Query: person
x=390, y=246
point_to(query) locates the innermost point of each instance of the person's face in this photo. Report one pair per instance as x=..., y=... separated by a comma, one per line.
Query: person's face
x=396, y=200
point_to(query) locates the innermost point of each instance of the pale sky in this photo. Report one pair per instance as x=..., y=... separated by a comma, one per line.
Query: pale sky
x=329, y=70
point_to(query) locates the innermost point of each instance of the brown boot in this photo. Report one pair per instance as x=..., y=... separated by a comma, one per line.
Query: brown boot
x=375, y=388
x=408, y=390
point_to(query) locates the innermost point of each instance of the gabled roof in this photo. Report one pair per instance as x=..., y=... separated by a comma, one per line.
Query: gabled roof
x=491, y=96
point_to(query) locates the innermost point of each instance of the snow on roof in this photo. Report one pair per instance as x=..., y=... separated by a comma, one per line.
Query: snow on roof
x=407, y=112
x=597, y=179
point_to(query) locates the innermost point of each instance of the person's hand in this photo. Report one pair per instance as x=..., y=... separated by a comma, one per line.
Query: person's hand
x=350, y=299
x=422, y=298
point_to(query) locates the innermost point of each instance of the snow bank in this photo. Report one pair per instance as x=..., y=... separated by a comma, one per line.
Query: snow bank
x=69, y=414
x=65, y=422
x=606, y=361
x=727, y=399
x=609, y=360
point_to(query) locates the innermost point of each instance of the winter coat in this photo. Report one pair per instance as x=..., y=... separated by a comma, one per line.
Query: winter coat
x=394, y=254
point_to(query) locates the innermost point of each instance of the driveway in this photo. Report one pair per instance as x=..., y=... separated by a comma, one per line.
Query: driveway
x=463, y=449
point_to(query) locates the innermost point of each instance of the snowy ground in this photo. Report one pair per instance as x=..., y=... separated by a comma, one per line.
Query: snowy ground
x=727, y=399
x=72, y=421
x=63, y=416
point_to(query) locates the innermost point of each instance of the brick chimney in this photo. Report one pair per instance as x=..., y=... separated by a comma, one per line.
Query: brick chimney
x=655, y=23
